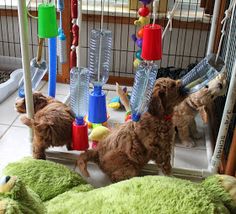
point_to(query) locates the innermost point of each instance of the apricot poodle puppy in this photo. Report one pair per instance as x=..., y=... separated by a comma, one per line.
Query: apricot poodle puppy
x=125, y=151
x=52, y=123
x=198, y=102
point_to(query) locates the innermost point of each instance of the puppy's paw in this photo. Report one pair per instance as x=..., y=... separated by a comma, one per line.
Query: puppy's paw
x=83, y=167
x=188, y=143
x=197, y=135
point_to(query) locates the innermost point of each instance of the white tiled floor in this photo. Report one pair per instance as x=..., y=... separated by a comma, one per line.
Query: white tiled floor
x=14, y=142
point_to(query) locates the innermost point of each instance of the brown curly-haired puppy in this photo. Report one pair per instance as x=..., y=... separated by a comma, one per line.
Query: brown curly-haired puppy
x=52, y=123
x=124, y=152
x=186, y=111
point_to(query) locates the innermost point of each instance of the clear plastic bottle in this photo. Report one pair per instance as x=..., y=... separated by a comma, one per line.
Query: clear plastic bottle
x=37, y=73
x=79, y=93
x=202, y=73
x=144, y=82
x=97, y=38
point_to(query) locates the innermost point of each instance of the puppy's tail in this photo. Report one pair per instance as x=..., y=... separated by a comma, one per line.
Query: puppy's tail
x=90, y=155
x=27, y=121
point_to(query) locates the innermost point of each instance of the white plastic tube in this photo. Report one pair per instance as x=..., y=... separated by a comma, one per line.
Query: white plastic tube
x=24, y=41
x=213, y=27
x=225, y=122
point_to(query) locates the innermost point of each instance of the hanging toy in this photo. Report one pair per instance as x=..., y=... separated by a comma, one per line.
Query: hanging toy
x=99, y=65
x=143, y=20
x=79, y=87
x=147, y=70
x=75, y=33
x=47, y=28
x=61, y=36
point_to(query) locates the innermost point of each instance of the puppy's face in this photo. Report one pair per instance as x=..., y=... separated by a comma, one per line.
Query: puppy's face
x=166, y=95
x=39, y=101
x=215, y=88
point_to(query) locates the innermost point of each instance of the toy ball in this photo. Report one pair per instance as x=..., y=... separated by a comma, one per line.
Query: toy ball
x=140, y=33
x=142, y=21
x=146, y=1
x=134, y=37
x=143, y=11
x=139, y=43
x=136, y=63
x=138, y=54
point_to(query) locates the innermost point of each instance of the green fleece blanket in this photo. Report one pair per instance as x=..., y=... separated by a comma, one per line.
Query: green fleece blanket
x=150, y=194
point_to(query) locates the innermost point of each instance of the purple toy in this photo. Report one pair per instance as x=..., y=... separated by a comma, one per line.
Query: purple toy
x=145, y=2
x=139, y=43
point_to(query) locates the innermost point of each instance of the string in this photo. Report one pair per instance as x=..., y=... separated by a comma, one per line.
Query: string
x=155, y=3
x=170, y=16
x=79, y=22
x=100, y=45
x=227, y=16
x=34, y=17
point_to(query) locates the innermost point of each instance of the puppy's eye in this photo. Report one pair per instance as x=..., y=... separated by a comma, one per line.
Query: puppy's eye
x=173, y=85
x=206, y=86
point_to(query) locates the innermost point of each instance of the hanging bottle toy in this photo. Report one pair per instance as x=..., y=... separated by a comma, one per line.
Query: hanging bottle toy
x=79, y=92
x=202, y=73
x=147, y=70
x=143, y=20
x=61, y=36
x=99, y=65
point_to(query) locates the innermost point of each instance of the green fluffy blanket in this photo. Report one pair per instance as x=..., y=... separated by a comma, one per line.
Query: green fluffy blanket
x=68, y=192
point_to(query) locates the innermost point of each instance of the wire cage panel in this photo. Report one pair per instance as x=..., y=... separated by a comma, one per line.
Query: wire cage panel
x=184, y=45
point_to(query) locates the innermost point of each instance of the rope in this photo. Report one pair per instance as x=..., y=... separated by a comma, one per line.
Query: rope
x=227, y=16
x=170, y=16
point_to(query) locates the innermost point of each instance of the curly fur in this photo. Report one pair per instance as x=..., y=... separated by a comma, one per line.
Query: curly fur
x=124, y=152
x=185, y=112
x=52, y=123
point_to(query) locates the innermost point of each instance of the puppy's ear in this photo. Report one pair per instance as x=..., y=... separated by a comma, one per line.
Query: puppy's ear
x=156, y=107
x=40, y=101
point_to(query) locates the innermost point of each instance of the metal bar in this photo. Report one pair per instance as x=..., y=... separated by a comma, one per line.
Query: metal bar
x=213, y=27
x=227, y=116
x=23, y=24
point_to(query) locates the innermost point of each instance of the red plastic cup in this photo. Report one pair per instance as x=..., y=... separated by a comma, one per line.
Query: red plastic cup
x=152, y=42
x=80, y=137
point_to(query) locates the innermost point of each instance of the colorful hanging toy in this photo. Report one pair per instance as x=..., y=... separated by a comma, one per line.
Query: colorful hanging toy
x=146, y=72
x=143, y=20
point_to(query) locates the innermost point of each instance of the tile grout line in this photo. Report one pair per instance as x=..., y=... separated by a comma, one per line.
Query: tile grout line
x=8, y=128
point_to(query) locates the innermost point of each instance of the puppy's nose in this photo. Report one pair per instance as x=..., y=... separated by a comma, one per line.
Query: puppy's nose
x=7, y=178
x=220, y=85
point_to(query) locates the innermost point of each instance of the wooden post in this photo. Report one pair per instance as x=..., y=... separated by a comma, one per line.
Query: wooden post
x=231, y=163
x=66, y=24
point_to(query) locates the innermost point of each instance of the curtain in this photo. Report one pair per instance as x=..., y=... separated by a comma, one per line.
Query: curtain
x=208, y=6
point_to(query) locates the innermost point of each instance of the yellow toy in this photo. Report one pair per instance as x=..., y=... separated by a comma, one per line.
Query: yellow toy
x=142, y=21
x=99, y=133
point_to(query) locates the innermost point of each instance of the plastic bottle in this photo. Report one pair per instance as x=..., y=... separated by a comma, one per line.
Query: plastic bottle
x=144, y=82
x=97, y=38
x=37, y=73
x=79, y=93
x=201, y=74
